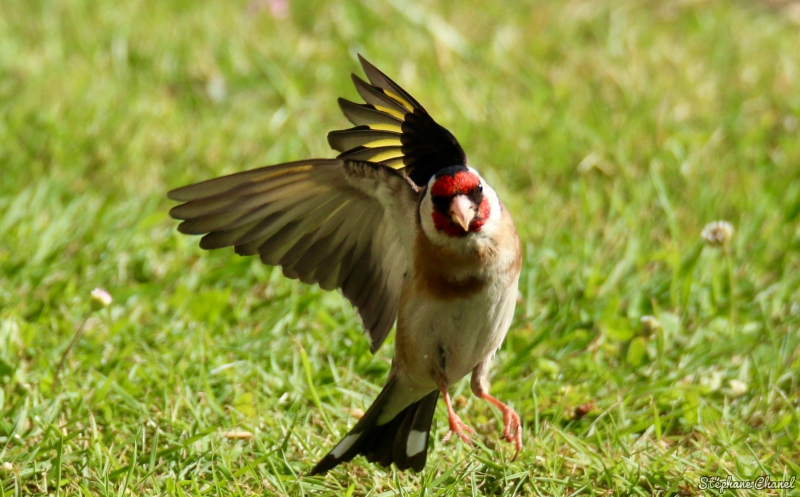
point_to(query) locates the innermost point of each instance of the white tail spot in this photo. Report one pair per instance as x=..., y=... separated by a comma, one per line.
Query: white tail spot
x=417, y=440
x=345, y=444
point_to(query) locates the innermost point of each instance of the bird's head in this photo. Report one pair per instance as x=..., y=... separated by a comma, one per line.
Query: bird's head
x=458, y=204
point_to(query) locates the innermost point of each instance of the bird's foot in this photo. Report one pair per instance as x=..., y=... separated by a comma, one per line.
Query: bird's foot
x=512, y=425
x=456, y=425
x=459, y=428
x=512, y=429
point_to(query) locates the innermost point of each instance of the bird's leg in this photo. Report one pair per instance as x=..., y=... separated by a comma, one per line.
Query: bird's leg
x=512, y=425
x=456, y=425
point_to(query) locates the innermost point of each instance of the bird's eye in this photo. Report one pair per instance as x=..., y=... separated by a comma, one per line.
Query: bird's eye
x=480, y=187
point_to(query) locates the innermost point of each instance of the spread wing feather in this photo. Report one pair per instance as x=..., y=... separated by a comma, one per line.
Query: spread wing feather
x=367, y=115
x=378, y=96
x=393, y=129
x=339, y=223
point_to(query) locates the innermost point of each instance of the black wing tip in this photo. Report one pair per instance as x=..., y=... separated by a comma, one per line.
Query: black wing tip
x=332, y=140
x=364, y=62
x=209, y=243
x=427, y=145
x=368, y=67
x=177, y=194
x=185, y=229
x=346, y=104
x=357, y=79
x=173, y=212
x=188, y=226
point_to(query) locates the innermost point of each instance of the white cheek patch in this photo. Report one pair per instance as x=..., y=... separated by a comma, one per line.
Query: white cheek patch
x=345, y=445
x=495, y=212
x=461, y=244
x=417, y=440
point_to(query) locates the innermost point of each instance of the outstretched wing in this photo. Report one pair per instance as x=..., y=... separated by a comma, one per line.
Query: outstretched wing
x=392, y=128
x=338, y=223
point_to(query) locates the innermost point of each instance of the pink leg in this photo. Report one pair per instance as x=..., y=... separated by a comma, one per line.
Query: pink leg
x=456, y=425
x=512, y=431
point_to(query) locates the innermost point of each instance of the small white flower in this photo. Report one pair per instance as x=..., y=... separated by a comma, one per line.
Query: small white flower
x=7, y=466
x=216, y=88
x=718, y=233
x=100, y=298
x=738, y=388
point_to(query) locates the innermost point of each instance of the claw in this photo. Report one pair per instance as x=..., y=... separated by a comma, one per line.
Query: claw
x=456, y=425
x=512, y=425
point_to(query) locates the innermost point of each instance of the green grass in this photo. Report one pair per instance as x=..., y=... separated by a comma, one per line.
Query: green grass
x=613, y=133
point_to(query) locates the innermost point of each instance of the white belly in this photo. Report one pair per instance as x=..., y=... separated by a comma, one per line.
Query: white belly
x=456, y=334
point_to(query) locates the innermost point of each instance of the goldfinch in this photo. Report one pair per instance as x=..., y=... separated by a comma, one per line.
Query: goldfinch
x=410, y=234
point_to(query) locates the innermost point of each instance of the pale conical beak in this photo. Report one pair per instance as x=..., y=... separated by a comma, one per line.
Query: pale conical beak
x=461, y=211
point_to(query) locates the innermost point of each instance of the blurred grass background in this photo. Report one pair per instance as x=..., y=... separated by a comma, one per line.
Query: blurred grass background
x=613, y=131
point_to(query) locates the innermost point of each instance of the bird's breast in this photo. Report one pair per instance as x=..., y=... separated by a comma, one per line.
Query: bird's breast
x=456, y=306
x=446, y=338
x=444, y=274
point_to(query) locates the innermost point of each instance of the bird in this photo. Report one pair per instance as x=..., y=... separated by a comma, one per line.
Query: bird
x=410, y=233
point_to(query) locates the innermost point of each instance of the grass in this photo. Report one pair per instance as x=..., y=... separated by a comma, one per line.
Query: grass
x=614, y=133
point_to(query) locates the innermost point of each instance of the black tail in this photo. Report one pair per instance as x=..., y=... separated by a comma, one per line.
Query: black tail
x=402, y=441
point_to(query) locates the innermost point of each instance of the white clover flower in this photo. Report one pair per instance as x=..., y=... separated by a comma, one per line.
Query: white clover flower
x=718, y=233
x=738, y=388
x=101, y=298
